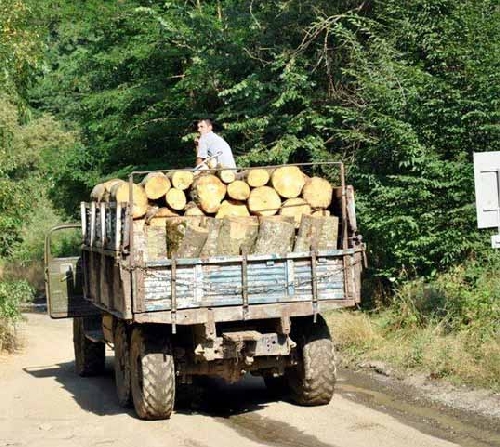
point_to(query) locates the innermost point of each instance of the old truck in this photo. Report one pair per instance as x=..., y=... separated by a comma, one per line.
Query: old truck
x=170, y=320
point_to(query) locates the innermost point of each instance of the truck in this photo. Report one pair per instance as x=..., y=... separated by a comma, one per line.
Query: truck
x=171, y=320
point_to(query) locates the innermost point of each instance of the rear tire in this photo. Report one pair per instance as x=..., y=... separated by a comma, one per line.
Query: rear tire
x=152, y=375
x=122, y=364
x=89, y=355
x=312, y=381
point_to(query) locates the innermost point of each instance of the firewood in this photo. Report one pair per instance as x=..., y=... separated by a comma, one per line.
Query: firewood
x=237, y=235
x=108, y=184
x=150, y=240
x=320, y=212
x=317, y=192
x=264, y=201
x=191, y=209
x=210, y=247
x=232, y=208
x=317, y=233
x=156, y=185
x=275, y=235
x=238, y=190
x=288, y=181
x=208, y=192
x=308, y=234
x=255, y=177
x=329, y=233
x=181, y=179
x=295, y=207
x=166, y=212
x=185, y=237
x=98, y=192
x=120, y=192
x=227, y=175
x=176, y=199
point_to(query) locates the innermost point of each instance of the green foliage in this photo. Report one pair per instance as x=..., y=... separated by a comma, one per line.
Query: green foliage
x=12, y=294
x=403, y=92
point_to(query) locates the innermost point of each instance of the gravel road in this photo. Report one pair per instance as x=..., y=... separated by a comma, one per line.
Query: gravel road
x=43, y=403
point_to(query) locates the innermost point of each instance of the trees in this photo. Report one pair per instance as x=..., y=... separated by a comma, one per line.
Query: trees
x=402, y=92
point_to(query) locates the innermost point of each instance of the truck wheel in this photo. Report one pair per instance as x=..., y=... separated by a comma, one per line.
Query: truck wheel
x=122, y=364
x=152, y=375
x=89, y=355
x=312, y=381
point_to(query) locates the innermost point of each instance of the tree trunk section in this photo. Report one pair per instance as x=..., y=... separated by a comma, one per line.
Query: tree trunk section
x=317, y=192
x=317, y=233
x=98, y=193
x=238, y=190
x=227, y=175
x=156, y=185
x=232, y=208
x=181, y=179
x=208, y=192
x=191, y=209
x=296, y=207
x=237, y=235
x=176, y=199
x=275, y=235
x=255, y=177
x=120, y=192
x=210, y=247
x=264, y=201
x=185, y=237
x=288, y=181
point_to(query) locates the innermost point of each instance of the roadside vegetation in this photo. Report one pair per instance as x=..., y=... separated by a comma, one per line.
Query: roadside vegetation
x=445, y=328
x=403, y=93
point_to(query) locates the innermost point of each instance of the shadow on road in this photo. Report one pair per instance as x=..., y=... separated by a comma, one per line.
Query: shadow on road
x=93, y=394
x=212, y=397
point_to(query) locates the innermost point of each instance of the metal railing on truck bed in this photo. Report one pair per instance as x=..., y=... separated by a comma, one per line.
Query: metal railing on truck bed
x=126, y=275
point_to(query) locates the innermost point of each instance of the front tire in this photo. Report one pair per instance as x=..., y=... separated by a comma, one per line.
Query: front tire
x=122, y=364
x=152, y=375
x=89, y=356
x=312, y=381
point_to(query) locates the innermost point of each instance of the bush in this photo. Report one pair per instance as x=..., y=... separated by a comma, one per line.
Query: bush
x=12, y=295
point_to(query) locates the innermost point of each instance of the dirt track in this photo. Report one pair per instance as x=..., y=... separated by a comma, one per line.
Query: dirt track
x=43, y=403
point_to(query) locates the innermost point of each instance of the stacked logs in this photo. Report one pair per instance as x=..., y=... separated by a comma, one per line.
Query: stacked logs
x=226, y=212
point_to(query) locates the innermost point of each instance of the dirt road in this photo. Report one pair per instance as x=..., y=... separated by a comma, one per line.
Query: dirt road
x=43, y=403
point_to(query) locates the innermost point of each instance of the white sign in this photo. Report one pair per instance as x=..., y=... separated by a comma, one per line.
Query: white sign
x=487, y=188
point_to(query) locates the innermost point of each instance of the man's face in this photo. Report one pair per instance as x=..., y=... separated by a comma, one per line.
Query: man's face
x=203, y=127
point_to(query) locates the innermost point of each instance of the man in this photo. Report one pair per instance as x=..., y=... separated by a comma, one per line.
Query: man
x=212, y=146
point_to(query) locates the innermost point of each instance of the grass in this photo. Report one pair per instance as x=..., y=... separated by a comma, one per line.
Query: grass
x=438, y=347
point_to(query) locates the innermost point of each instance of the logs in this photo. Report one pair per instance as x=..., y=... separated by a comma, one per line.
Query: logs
x=232, y=208
x=176, y=199
x=156, y=185
x=264, y=201
x=288, y=181
x=295, y=207
x=238, y=190
x=317, y=192
x=208, y=192
x=120, y=192
x=257, y=211
x=181, y=179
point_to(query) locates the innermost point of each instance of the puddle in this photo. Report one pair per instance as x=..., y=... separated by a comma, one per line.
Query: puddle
x=452, y=425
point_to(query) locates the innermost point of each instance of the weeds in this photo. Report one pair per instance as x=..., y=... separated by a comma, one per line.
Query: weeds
x=447, y=328
x=12, y=294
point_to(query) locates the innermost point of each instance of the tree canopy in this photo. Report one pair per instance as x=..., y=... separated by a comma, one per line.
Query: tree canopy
x=402, y=92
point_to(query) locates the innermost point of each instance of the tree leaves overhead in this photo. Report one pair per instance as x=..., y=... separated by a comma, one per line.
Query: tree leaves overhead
x=403, y=92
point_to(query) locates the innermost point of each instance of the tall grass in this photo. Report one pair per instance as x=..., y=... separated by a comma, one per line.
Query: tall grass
x=447, y=328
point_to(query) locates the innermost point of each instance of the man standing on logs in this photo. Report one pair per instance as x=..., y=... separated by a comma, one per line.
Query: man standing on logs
x=210, y=145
